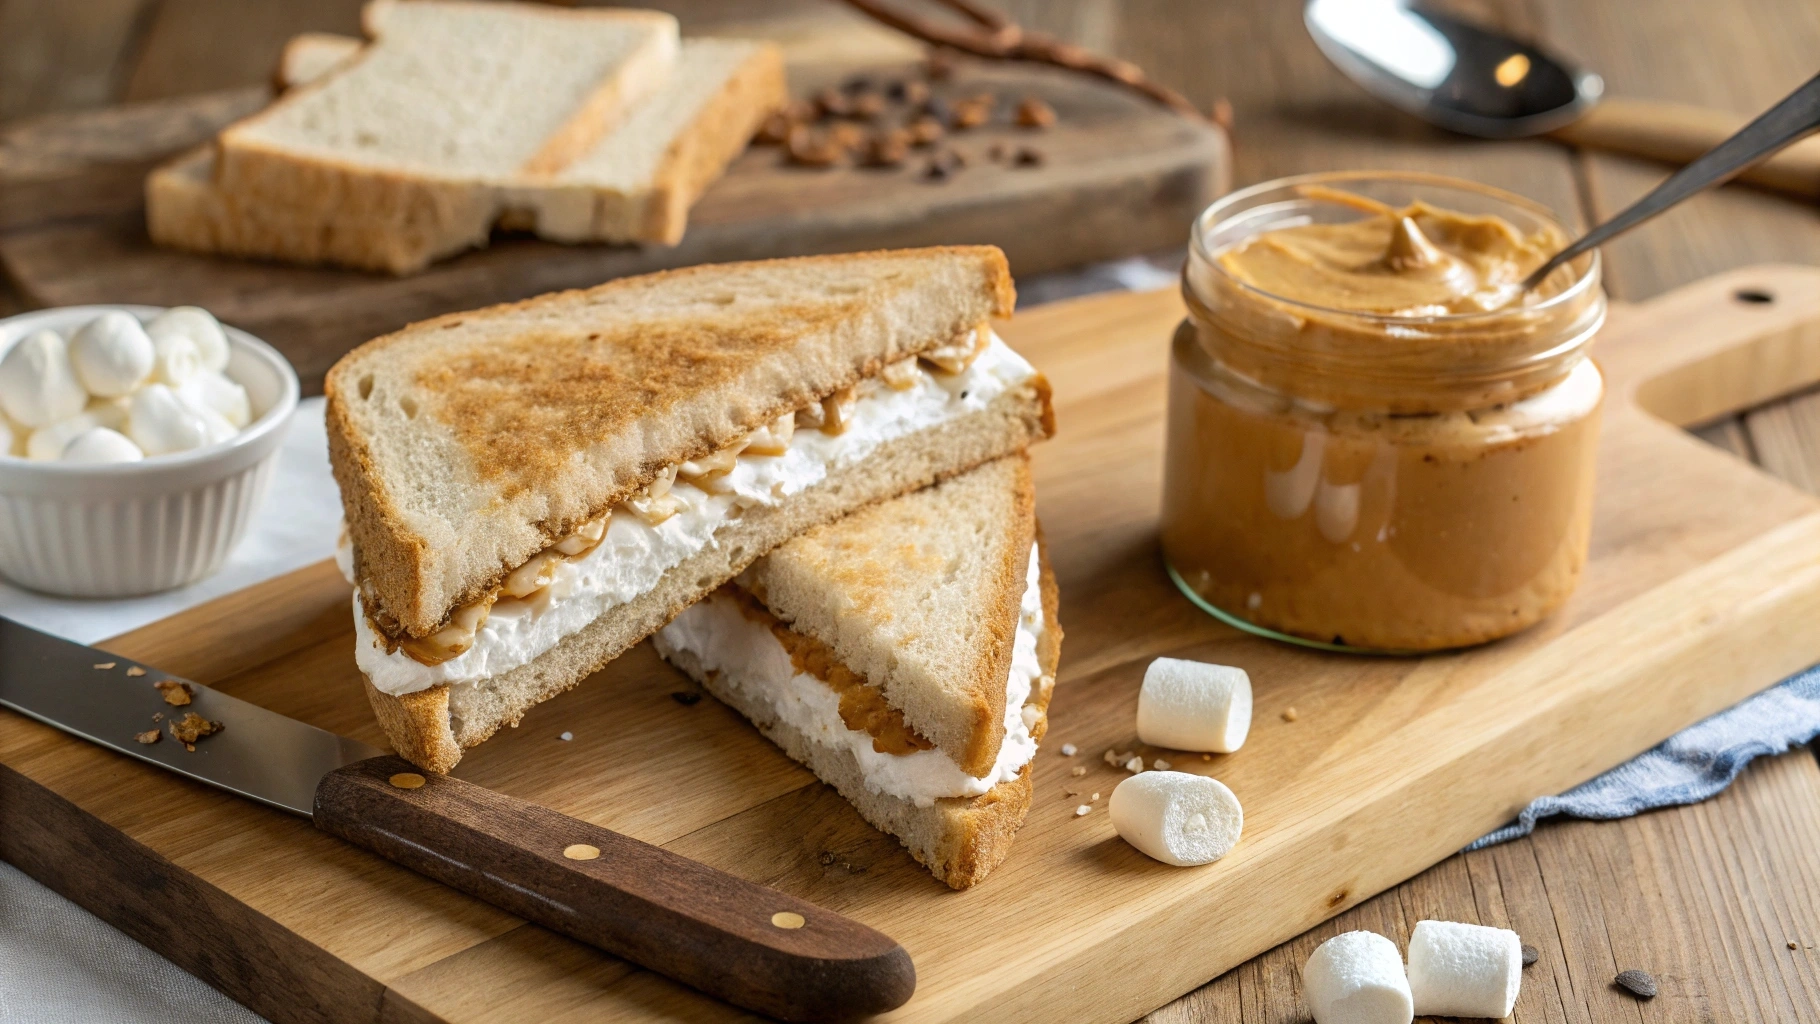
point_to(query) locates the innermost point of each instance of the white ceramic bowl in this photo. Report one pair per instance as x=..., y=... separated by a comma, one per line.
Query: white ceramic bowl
x=122, y=529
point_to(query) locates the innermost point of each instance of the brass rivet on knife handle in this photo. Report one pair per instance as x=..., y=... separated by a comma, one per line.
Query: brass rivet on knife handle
x=748, y=944
x=407, y=780
x=581, y=851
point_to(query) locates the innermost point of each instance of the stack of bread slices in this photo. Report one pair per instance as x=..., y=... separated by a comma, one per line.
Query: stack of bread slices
x=454, y=117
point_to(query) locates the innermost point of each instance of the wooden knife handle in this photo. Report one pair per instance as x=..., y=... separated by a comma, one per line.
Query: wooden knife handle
x=1678, y=133
x=745, y=943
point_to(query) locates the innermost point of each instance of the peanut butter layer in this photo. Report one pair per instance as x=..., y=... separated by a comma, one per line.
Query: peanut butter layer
x=1419, y=260
x=862, y=705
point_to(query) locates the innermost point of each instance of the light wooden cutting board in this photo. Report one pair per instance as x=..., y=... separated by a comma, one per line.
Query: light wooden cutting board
x=1703, y=587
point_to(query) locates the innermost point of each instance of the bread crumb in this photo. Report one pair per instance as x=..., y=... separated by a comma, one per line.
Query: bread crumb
x=105, y=665
x=192, y=727
x=566, y=737
x=1206, y=757
x=1290, y=714
x=158, y=717
x=1078, y=770
x=148, y=736
x=1162, y=765
x=175, y=693
x=135, y=671
x=1082, y=810
x=1135, y=765
x=1794, y=945
x=1069, y=750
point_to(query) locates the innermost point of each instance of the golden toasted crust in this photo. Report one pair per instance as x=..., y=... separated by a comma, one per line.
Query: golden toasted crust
x=418, y=726
x=698, y=155
x=520, y=408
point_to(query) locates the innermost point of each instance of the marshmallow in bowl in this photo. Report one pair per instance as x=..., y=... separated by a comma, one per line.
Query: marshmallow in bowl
x=38, y=386
x=211, y=390
x=47, y=443
x=110, y=412
x=201, y=327
x=102, y=445
x=175, y=360
x=111, y=354
x=159, y=422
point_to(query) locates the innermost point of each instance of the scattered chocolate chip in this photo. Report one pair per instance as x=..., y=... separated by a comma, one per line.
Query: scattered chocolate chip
x=810, y=148
x=938, y=66
x=910, y=92
x=1034, y=113
x=1637, y=983
x=867, y=106
x=149, y=736
x=1027, y=157
x=1530, y=954
x=175, y=693
x=833, y=103
x=971, y=113
x=937, y=169
x=687, y=698
x=775, y=131
x=925, y=132
x=887, y=148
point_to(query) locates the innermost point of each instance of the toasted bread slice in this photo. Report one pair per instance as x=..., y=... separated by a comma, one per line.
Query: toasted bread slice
x=920, y=596
x=636, y=185
x=467, y=443
x=960, y=838
x=431, y=727
x=453, y=99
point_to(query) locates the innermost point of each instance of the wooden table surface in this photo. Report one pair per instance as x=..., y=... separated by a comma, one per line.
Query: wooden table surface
x=1707, y=898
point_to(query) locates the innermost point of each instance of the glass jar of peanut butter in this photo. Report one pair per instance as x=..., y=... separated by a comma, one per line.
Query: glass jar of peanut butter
x=1376, y=439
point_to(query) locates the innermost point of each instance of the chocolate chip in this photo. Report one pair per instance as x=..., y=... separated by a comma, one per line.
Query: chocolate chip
x=1530, y=954
x=1027, y=157
x=833, y=103
x=687, y=698
x=810, y=148
x=1637, y=983
x=775, y=130
x=1034, y=113
x=887, y=148
x=909, y=92
x=937, y=170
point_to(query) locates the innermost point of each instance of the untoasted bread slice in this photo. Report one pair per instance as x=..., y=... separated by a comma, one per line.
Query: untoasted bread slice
x=467, y=443
x=308, y=56
x=637, y=184
x=920, y=595
x=432, y=727
x=453, y=99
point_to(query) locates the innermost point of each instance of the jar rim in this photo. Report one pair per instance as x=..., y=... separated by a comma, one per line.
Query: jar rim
x=1198, y=248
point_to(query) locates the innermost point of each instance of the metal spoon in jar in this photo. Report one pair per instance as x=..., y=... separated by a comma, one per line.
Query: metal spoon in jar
x=1795, y=117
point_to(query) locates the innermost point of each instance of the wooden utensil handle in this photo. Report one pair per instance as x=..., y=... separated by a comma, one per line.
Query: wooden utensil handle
x=745, y=943
x=1678, y=133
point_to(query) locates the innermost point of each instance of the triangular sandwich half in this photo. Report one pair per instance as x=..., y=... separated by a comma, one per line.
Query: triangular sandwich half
x=906, y=655
x=531, y=489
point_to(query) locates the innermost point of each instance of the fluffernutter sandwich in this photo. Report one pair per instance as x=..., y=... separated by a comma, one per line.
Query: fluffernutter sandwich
x=532, y=488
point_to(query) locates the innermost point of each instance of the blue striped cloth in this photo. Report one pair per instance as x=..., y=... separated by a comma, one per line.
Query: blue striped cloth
x=1691, y=765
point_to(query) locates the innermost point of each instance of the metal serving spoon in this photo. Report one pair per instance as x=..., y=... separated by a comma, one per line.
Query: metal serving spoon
x=1795, y=117
x=1450, y=72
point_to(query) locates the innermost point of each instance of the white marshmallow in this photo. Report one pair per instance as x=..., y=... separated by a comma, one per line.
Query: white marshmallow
x=111, y=354
x=47, y=443
x=1191, y=705
x=177, y=360
x=215, y=424
x=201, y=327
x=1176, y=817
x=211, y=390
x=1357, y=978
x=102, y=445
x=109, y=412
x=159, y=422
x=38, y=386
x=1464, y=970
x=9, y=438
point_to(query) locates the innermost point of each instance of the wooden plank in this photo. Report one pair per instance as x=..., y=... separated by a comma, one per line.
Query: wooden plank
x=1120, y=177
x=1695, y=563
x=65, y=56
x=196, y=46
x=1785, y=437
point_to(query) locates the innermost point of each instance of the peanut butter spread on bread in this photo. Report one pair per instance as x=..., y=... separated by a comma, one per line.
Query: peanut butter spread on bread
x=862, y=705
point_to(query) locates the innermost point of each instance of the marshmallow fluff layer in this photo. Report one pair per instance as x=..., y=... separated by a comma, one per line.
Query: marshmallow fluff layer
x=633, y=556
x=749, y=657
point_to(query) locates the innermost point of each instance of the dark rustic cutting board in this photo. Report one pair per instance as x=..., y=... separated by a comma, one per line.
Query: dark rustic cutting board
x=1118, y=176
x=1703, y=586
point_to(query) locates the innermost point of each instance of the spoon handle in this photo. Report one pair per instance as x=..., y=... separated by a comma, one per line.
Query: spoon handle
x=1787, y=121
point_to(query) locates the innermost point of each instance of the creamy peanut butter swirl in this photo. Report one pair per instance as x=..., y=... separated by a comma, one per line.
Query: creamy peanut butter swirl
x=1417, y=260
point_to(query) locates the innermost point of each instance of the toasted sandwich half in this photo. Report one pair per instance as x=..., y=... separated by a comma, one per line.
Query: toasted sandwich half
x=906, y=655
x=532, y=488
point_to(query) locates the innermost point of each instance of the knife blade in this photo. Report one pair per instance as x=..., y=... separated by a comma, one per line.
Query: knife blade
x=745, y=943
